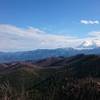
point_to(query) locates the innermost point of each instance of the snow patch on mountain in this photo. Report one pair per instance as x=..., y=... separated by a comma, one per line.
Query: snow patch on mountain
x=89, y=44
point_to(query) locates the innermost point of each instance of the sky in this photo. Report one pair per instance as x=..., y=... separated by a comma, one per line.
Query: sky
x=35, y=24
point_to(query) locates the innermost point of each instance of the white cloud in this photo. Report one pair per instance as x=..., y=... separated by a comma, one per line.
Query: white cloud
x=89, y=22
x=95, y=34
x=13, y=38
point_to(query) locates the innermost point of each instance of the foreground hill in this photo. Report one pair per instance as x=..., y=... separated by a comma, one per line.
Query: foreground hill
x=56, y=78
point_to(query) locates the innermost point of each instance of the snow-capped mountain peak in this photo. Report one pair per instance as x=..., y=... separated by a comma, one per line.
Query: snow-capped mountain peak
x=90, y=44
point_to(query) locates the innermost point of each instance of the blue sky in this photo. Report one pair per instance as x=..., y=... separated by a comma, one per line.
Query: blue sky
x=67, y=18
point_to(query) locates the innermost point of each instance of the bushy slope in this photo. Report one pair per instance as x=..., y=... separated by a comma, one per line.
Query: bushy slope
x=73, y=78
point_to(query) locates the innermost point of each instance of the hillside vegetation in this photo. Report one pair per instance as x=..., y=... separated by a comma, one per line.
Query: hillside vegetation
x=55, y=78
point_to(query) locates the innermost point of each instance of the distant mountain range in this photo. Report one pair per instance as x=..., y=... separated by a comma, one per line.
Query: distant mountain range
x=44, y=53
